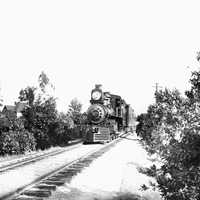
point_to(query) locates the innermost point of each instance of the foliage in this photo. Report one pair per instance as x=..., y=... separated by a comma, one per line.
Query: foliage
x=41, y=117
x=60, y=133
x=28, y=95
x=41, y=112
x=26, y=141
x=43, y=81
x=45, y=84
x=38, y=119
x=17, y=139
x=16, y=142
x=66, y=119
x=40, y=126
x=1, y=99
x=74, y=111
x=170, y=129
x=9, y=143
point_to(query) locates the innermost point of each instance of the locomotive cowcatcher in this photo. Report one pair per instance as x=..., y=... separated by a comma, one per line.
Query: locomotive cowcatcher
x=107, y=117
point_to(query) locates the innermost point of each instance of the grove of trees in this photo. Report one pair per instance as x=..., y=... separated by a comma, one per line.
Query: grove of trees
x=170, y=129
x=41, y=125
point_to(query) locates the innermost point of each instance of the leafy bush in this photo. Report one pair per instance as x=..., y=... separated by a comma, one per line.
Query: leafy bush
x=58, y=133
x=42, y=139
x=171, y=130
x=26, y=141
x=9, y=143
x=16, y=142
x=41, y=117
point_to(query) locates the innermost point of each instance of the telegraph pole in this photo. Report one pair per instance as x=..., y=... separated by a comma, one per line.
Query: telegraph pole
x=1, y=99
x=157, y=87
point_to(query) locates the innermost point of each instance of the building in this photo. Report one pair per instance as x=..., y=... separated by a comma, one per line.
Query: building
x=10, y=113
x=13, y=112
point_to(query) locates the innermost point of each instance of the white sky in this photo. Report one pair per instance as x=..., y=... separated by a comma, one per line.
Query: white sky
x=127, y=46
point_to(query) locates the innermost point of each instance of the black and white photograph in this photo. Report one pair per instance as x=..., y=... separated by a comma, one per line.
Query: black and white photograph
x=99, y=100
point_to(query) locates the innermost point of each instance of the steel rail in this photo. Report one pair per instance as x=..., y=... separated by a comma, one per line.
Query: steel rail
x=51, y=180
x=36, y=157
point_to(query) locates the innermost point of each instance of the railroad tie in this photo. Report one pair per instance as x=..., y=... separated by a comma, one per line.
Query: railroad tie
x=54, y=178
x=46, y=187
x=28, y=198
x=37, y=192
x=50, y=182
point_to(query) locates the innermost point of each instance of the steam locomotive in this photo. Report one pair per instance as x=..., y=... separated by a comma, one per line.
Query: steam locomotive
x=107, y=117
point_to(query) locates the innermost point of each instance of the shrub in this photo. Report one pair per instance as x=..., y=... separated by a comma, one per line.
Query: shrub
x=26, y=141
x=42, y=139
x=9, y=143
x=16, y=142
x=175, y=139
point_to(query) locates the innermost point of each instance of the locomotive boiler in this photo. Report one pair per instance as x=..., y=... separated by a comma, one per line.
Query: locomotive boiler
x=107, y=117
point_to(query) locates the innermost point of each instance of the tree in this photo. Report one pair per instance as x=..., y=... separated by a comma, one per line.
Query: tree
x=1, y=99
x=74, y=111
x=41, y=112
x=43, y=81
x=61, y=129
x=28, y=95
x=45, y=116
x=16, y=140
x=44, y=84
x=172, y=132
x=66, y=120
x=157, y=125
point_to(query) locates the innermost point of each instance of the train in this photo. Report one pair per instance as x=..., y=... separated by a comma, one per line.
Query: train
x=107, y=117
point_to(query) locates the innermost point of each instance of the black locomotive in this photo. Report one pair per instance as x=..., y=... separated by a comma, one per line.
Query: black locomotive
x=107, y=117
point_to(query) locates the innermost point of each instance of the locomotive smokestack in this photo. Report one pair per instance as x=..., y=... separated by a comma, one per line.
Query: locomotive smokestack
x=98, y=86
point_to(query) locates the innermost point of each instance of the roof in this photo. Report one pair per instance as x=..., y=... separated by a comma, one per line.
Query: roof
x=20, y=106
x=9, y=107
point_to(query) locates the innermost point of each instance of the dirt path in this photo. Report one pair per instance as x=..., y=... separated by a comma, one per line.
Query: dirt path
x=112, y=175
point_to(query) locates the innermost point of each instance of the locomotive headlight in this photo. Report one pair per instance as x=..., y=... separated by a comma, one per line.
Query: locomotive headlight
x=96, y=95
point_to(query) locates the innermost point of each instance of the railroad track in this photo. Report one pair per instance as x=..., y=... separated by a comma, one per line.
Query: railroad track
x=45, y=185
x=4, y=166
